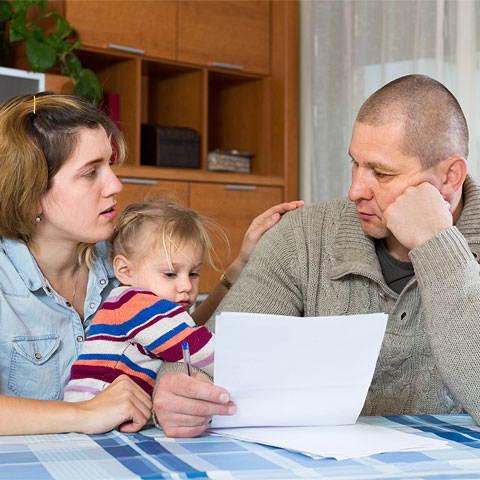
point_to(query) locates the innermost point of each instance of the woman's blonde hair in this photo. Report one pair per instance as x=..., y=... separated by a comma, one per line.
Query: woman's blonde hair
x=37, y=136
x=143, y=227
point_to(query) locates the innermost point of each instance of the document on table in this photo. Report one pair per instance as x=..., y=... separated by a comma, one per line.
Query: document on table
x=340, y=442
x=294, y=371
x=300, y=384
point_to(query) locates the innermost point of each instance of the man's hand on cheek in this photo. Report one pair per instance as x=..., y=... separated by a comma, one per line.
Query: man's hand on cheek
x=417, y=215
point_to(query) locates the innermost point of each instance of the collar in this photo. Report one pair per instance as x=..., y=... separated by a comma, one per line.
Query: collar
x=355, y=253
x=31, y=275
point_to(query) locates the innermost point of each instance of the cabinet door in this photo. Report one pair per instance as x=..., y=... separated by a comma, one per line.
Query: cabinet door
x=228, y=32
x=233, y=207
x=145, y=25
x=151, y=190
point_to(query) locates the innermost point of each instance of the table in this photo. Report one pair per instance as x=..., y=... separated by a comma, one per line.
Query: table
x=150, y=455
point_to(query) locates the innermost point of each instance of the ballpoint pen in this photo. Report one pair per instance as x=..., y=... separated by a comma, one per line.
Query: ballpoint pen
x=186, y=358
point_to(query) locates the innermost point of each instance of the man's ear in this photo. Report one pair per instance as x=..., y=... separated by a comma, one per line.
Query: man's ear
x=123, y=269
x=454, y=173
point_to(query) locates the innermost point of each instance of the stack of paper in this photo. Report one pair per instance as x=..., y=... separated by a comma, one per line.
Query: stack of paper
x=340, y=442
x=302, y=381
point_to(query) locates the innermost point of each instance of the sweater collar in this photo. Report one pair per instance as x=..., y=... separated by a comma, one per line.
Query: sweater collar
x=355, y=252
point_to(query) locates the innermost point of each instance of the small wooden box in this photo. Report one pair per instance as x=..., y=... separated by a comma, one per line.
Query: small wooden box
x=170, y=146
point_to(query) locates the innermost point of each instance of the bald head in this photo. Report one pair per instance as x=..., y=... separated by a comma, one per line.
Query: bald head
x=435, y=127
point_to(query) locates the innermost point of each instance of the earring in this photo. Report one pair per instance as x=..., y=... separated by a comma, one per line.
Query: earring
x=38, y=218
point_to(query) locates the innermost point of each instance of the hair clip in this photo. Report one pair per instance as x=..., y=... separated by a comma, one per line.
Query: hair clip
x=34, y=104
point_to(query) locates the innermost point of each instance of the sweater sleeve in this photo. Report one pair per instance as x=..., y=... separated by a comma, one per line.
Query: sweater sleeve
x=160, y=327
x=449, y=279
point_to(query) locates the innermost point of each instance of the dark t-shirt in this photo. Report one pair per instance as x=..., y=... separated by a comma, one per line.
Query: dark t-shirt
x=395, y=272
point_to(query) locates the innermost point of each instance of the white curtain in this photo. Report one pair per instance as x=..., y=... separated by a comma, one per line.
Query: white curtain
x=350, y=48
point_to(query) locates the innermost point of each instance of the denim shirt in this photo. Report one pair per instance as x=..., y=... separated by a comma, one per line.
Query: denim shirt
x=41, y=335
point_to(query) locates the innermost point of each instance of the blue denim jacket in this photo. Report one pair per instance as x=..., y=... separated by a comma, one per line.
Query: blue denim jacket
x=41, y=336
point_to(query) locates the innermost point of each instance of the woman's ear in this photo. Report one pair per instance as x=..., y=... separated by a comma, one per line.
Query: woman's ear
x=455, y=171
x=123, y=269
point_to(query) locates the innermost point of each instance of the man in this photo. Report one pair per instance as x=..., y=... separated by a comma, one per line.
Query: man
x=405, y=242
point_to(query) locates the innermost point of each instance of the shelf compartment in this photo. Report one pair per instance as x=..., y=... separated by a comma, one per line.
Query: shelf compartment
x=120, y=74
x=236, y=116
x=173, y=96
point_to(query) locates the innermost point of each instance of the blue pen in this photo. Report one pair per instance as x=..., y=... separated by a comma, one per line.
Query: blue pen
x=186, y=358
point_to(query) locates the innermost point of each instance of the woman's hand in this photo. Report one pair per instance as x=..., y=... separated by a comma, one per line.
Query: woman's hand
x=122, y=403
x=184, y=405
x=257, y=228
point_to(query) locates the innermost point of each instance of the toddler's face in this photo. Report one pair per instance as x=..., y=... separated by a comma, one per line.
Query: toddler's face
x=178, y=285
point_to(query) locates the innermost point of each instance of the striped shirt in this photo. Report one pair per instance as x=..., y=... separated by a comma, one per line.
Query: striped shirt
x=132, y=333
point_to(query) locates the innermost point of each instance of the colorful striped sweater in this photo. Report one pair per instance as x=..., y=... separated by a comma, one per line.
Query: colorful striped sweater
x=132, y=333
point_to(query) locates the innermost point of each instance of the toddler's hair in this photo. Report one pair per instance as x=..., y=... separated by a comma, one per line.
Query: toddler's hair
x=158, y=223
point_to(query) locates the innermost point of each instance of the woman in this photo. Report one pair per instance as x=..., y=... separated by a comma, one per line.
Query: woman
x=57, y=206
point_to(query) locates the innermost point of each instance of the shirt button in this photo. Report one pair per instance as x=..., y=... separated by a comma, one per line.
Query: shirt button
x=68, y=304
x=103, y=281
x=92, y=305
x=403, y=315
x=79, y=339
x=47, y=289
x=382, y=294
x=38, y=356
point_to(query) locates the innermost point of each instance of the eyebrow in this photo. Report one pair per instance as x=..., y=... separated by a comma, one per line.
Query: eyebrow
x=91, y=163
x=374, y=165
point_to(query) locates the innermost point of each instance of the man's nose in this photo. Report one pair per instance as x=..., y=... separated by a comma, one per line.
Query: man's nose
x=360, y=187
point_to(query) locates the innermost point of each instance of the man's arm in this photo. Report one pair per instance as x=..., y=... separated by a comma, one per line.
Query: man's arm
x=449, y=279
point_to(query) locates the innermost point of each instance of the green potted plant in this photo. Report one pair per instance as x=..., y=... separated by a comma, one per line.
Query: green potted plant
x=47, y=50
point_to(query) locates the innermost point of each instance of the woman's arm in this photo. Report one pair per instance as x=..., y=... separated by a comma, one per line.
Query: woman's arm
x=257, y=228
x=122, y=403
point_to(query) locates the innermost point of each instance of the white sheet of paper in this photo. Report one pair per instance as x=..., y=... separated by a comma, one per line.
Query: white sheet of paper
x=293, y=371
x=340, y=442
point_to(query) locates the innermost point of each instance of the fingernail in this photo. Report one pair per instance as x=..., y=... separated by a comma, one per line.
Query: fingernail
x=223, y=398
x=232, y=410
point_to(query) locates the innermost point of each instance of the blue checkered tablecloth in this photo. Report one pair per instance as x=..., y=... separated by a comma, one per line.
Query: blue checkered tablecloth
x=150, y=455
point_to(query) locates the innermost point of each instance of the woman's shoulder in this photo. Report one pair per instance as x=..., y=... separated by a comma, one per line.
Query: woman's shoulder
x=18, y=272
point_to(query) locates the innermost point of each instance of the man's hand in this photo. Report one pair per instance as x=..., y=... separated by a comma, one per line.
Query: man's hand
x=184, y=405
x=417, y=215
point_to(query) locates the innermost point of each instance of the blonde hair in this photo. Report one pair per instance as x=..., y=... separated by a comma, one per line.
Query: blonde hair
x=37, y=136
x=166, y=224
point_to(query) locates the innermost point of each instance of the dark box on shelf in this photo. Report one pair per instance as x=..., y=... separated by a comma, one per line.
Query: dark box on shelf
x=170, y=146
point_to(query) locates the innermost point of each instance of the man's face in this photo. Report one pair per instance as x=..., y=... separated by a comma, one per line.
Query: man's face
x=380, y=173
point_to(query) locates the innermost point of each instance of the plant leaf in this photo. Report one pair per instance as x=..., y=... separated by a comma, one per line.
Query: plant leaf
x=72, y=65
x=88, y=86
x=40, y=55
x=22, y=5
x=18, y=27
x=62, y=28
x=6, y=11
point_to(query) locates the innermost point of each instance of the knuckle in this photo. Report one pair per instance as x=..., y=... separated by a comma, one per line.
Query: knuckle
x=198, y=408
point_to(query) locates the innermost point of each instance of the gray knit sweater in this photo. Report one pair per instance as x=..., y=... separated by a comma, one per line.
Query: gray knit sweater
x=317, y=261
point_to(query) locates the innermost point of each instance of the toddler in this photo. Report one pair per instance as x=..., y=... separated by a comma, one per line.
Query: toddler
x=158, y=251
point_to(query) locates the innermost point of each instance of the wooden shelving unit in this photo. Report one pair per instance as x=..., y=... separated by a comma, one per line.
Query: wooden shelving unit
x=188, y=75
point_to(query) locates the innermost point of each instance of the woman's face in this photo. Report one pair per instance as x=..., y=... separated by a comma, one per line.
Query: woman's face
x=80, y=205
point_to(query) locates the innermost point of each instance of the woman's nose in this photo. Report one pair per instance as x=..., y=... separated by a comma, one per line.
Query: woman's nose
x=113, y=185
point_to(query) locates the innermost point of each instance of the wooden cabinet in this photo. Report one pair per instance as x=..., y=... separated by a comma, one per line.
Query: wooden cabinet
x=148, y=26
x=236, y=33
x=138, y=190
x=252, y=110
x=239, y=205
